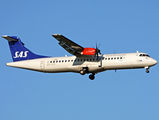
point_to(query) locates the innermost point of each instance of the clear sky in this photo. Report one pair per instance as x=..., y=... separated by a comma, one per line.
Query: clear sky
x=119, y=26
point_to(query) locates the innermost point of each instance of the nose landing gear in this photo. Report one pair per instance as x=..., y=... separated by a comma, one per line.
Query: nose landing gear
x=147, y=69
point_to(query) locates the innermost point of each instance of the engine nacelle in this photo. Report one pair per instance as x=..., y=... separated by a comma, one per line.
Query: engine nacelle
x=89, y=51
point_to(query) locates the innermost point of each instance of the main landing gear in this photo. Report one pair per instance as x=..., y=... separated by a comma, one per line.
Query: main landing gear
x=85, y=70
x=92, y=76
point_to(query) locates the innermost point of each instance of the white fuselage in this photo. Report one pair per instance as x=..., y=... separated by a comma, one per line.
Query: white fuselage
x=74, y=64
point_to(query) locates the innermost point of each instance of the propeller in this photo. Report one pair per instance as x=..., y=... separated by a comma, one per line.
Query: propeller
x=97, y=52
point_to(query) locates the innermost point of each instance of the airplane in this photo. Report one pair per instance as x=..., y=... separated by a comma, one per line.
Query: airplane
x=85, y=60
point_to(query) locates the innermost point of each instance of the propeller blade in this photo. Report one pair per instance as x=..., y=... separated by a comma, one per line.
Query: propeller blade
x=97, y=51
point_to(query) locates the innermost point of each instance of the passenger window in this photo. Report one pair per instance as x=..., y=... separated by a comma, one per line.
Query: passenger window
x=105, y=58
x=50, y=61
x=65, y=60
x=108, y=58
x=71, y=60
x=62, y=60
x=56, y=61
x=93, y=59
x=90, y=59
x=111, y=58
x=115, y=58
x=53, y=61
x=120, y=57
x=59, y=61
x=68, y=60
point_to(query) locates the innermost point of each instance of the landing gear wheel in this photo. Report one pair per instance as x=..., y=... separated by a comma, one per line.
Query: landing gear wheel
x=91, y=76
x=147, y=71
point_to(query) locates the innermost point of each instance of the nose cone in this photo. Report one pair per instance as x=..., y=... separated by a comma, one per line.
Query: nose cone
x=154, y=62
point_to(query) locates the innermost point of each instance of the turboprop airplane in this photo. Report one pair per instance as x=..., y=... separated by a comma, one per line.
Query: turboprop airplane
x=83, y=61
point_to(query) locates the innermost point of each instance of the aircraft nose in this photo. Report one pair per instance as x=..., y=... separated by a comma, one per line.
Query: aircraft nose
x=154, y=62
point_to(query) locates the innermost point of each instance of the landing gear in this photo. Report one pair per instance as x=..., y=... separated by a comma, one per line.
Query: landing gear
x=147, y=70
x=84, y=70
x=91, y=76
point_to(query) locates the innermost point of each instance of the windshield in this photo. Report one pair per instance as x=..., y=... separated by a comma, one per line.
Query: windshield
x=143, y=55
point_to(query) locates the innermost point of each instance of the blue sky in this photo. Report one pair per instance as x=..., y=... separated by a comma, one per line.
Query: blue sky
x=120, y=26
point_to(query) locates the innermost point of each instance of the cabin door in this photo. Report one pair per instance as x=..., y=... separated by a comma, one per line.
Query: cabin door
x=42, y=65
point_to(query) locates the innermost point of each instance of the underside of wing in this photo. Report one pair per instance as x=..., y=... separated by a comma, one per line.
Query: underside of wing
x=69, y=45
x=74, y=48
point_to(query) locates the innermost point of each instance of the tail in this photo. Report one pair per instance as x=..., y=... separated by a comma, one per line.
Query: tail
x=18, y=51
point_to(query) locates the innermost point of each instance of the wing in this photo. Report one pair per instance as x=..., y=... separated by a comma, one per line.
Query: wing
x=69, y=45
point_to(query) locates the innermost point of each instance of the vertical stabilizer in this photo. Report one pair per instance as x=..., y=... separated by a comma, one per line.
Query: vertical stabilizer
x=18, y=51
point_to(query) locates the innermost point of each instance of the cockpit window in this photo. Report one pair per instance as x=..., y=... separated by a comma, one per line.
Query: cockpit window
x=143, y=55
x=147, y=55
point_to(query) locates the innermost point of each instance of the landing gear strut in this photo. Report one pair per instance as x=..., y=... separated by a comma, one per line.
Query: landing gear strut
x=92, y=76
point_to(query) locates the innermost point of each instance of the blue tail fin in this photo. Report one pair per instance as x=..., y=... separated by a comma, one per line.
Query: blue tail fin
x=18, y=51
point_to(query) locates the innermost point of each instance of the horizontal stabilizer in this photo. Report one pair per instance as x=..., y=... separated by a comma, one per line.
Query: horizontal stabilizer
x=11, y=38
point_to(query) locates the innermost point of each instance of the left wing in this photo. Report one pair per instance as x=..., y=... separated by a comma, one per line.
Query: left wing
x=74, y=48
x=69, y=45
